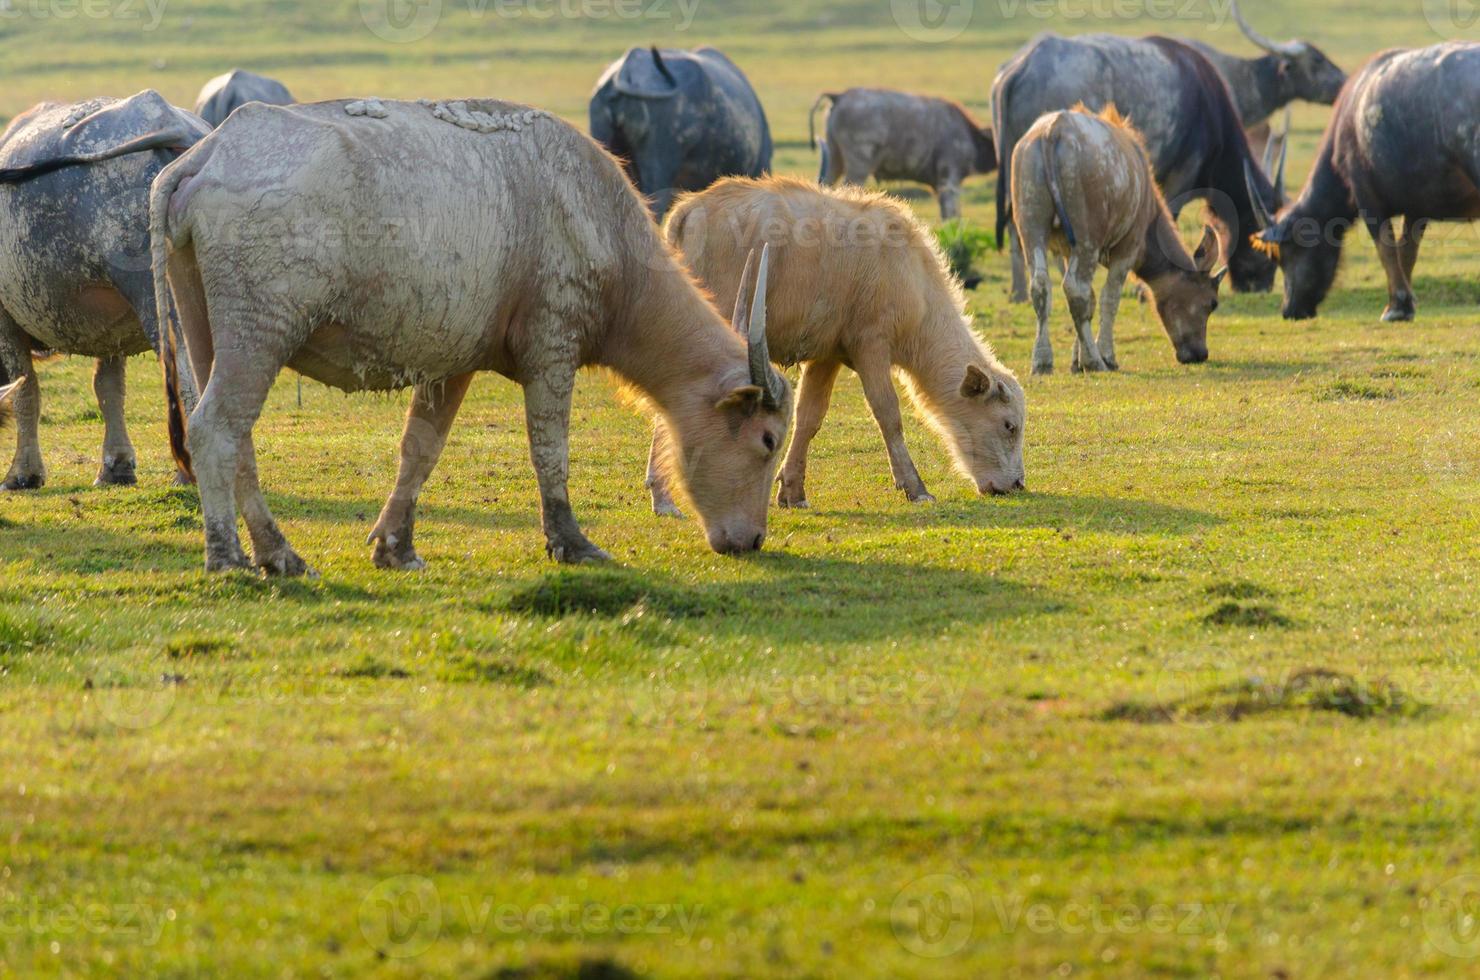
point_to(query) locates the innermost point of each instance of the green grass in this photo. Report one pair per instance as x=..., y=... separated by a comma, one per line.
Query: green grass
x=1200, y=703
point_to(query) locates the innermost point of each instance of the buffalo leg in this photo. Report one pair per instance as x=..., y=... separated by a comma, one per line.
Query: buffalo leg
x=872, y=366
x=948, y=191
x=270, y=550
x=119, y=463
x=814, y=394
x=1390, y=250
x=1079, y=290
x=26, y=470
x=1109, y=308
x=547, y=413
x=220, y=431
x=433, y=410
x=1019, y=292
x=657, y=479
x=1042, y=306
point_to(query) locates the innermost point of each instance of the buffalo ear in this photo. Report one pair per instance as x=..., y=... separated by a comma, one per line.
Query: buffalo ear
x=980, y=384
x=1206, y=255
x=746, y=400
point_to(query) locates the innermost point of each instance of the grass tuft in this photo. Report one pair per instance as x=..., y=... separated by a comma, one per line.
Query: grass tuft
x=1256, y=616
x=1312, y=690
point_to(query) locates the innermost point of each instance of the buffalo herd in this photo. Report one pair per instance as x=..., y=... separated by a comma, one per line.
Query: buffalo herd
x=379, y=245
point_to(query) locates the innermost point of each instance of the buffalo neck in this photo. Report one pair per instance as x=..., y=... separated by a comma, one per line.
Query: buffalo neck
x=668, y=340
x=1164, y=255
x=935, y=356
x=1326, y=196
x=1270, y=89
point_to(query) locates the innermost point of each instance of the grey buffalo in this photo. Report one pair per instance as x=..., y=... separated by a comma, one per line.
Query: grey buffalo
x=1174, y=97
x=1401, y=144
x=874, y=132
x=1288, y=71
x=224, y=94
x=679, y=121
x=74, y=254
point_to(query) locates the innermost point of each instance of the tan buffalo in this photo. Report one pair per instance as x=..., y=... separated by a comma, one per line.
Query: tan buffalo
x=376, y=245
x=859, y=284
x=889, y=135
x=1083, y=188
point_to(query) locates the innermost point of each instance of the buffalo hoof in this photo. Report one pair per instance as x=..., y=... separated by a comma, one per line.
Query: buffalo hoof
x=29, y=481
x=1397, y=314
x=227, y=563
x=1018, y=295
x=667, y=508
x=394, y=559
x=1111, y=364
x=116, y=473
x=576, y=552
x=181, y=480
x=285, y=563
x=922, y=497
x=1044, y=367
x=786, y=502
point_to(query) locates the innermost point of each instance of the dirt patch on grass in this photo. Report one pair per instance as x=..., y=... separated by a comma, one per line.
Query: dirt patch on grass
x=608, y=594
x=1350, y=389
x=1313, y=689
x=1238, y=590
x=471, y=669
x=584, y=969
x=1248, y=615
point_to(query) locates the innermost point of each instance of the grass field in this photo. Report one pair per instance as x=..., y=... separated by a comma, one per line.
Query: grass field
x=1202, y=702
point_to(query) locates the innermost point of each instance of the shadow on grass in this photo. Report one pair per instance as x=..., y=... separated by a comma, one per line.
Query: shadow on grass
x=1051, y=511
x=816, y=599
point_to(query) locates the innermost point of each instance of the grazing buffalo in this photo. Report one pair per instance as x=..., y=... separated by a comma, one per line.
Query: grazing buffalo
x=1288, y=71
x=1401, y=143
x=1083, y=188
x=890, y=305
x=1174, y=97
x=224, y=94
x=375, y=245
x=679, y=121
x=74, y=255
x=875, y=132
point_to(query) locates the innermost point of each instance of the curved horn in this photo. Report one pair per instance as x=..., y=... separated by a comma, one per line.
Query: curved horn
x=740, y=321
x=1256, y=200
x=761, y=373
x=637, y=93
x=1279, y=168
x=662, y=66
x=1260, y=41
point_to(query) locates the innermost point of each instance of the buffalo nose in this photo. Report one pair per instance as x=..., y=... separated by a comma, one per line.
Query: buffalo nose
x=760, y=539
x=1021, y=484
x=1197, y=356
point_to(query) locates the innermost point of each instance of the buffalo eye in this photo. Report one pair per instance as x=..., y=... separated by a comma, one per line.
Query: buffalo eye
x=1011, y=427
x=769, y=441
